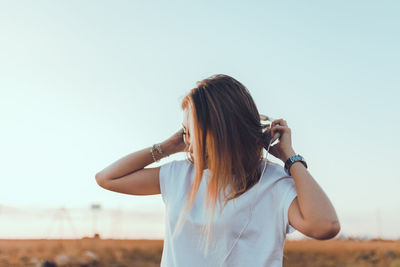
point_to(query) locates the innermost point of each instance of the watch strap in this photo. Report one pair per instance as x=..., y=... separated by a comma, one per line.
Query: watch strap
x=289, y=162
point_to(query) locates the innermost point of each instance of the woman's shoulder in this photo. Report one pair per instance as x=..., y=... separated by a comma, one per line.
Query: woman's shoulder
x=274, y=169
x=182, y=163
x=275, y=175
x=177, y=165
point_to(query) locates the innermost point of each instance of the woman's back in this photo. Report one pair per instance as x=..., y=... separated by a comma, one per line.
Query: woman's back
x=261, y=243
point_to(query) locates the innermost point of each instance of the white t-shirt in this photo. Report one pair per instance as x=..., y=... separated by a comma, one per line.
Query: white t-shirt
x=261, y=243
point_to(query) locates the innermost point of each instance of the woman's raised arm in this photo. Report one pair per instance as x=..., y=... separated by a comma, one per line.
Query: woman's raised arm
x=311, y=212
x=128, y=175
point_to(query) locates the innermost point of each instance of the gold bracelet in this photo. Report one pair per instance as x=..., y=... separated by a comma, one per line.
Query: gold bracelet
x=157, y=147
x=152, y=154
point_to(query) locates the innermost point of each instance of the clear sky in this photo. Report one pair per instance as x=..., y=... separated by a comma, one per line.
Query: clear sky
x=84, y=83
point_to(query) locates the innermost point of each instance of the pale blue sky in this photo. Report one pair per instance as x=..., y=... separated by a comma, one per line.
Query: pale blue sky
x=83, y=83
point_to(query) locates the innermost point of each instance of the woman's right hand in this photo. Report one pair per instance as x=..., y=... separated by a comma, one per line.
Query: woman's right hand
x=174, y=143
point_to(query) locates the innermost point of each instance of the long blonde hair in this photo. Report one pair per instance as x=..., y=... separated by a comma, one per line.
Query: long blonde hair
x=228, y=139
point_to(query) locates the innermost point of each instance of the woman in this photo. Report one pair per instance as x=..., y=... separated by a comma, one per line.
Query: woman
x=252, y=203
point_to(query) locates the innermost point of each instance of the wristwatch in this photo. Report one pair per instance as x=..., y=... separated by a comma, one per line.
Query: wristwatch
x=292, y=160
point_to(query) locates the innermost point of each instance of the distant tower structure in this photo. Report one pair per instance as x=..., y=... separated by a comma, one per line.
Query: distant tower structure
x=95, y=209
x=61, y=218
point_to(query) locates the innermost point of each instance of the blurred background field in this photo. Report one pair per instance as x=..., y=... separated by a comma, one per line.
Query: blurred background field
x=147, y=253
x=104, y=236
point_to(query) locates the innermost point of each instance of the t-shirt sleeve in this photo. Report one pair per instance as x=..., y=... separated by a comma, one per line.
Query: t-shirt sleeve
x=165, y=176
x=289, y=193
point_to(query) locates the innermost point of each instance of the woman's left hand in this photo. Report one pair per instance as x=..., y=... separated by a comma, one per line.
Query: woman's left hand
x=283, y=149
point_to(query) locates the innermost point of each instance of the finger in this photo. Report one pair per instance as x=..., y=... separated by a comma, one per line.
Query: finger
x=279, y=129
x=282, y=122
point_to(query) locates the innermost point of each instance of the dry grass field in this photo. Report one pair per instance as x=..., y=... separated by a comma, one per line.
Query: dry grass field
x=313, y=253
x=147, y=253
